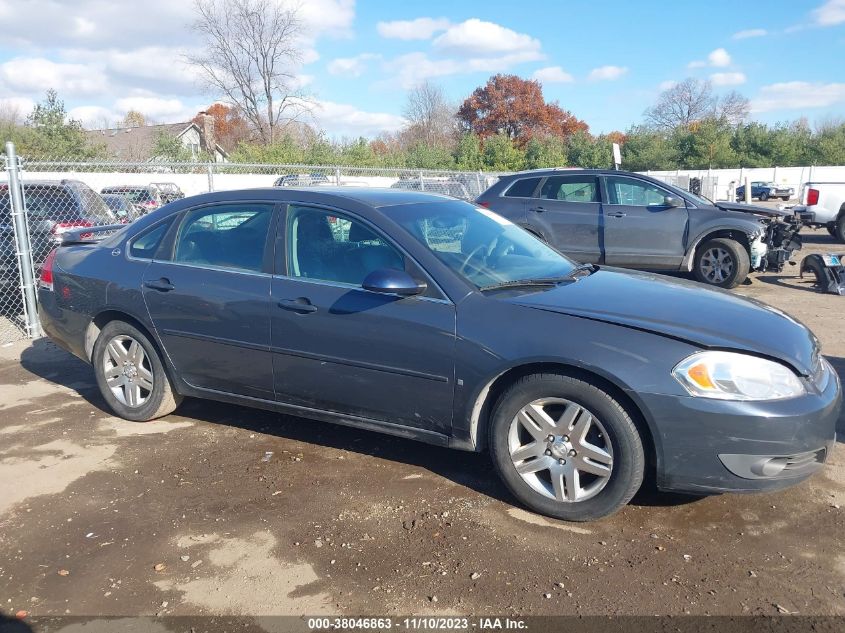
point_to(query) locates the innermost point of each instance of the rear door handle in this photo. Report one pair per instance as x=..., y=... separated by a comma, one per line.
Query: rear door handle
x=616, y=215
x=162, y=285
x=300, y=304
x=538, y=209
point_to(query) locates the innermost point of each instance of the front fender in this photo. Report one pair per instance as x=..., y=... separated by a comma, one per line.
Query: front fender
x=747, y=229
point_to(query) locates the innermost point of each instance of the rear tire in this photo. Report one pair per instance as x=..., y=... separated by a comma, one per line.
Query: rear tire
x=839, y=228
x=831, y=228
x=131, y=375
x=592, y=466
x=722, y=262
x=764, y=196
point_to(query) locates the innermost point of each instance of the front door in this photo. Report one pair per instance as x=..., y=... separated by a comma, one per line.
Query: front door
x=567, y=213
x=640, y=230
x=340, y=348
x=209, y=298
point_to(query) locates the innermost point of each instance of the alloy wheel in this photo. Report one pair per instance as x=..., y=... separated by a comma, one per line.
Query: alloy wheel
x=716, y=265
x=560, y=449
x=128, y=371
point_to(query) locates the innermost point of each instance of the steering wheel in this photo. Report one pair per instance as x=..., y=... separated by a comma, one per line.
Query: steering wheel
x=471, y=255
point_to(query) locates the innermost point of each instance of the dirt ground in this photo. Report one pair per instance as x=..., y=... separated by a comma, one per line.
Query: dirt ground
x=220, y=509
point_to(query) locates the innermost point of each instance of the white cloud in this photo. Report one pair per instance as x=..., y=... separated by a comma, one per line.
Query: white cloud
x=83, y=26
x=327, y=17
x=418, y=29
x=351, y=66
x=155, y=108
x=728, y=79
x=748, y=33
x=552, y=74
x=798, y=95
x=94, y=117
x=666, y=85
x=477, y=38
x=413, y=68
x=719, y=58
x=34, y=75
x=341, y=119
x=607, y=73
x=15, y=108
x=830, y=13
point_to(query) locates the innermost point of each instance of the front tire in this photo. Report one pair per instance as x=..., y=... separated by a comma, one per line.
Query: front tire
x=722, y=262
x=839, y=229
x=131, y=375
x=566, y=448
x=764, y=196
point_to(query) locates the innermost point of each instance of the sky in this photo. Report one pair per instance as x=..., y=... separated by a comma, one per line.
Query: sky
x=606, y=62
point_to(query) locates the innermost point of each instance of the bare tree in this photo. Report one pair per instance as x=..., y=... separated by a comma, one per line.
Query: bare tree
x=251, y=51
x=681, y=105
x=733, y=107
x=430, y=115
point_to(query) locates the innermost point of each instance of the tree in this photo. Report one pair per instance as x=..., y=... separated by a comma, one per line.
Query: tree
x=646, y=149
x=230, y=128
x=733, y=108
x=500, y=154
x=251, y=50
x=431, y=118
x=468, y=153
x=169, y=148
x=549, y=151
x=134, y=118
x=516, y=108
x=681, y=105
x=582, y=150
x=52, y=134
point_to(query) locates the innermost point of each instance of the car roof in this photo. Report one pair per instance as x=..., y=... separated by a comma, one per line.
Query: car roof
x=371, y=196
x=550, y=171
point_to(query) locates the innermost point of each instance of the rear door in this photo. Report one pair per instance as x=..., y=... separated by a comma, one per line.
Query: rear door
x=514, y=201
x=640, y=230
x=208, y=297
x=566, y=211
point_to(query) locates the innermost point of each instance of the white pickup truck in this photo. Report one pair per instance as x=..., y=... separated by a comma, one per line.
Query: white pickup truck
x=823, y=204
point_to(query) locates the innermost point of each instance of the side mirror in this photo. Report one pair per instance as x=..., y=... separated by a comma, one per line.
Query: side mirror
x=672, y=202
x=395, y=282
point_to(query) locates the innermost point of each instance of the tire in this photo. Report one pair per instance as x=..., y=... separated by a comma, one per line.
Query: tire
x=831, y=228
x=611, y=437
x=140, y=389
x=764, y=196
x=785, y=198
x=839, y=228
x=721, y=262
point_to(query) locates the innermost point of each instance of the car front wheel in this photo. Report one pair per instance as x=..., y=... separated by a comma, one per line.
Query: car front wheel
x=722, y=262
x=565, y=447
x=839, y=229
x=130, y=374
x=764, y=196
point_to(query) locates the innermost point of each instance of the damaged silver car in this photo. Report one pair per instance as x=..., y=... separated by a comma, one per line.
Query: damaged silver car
x=630, y=220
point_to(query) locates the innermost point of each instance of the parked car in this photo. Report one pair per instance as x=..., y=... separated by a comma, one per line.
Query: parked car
x=54, y=207
x=301, y=180
x=169, y=191
x=146, y=198
x=823, y=204
x=446, y=186
x=434, y=319
x=765, y=190
x=122, y=207
x=634, y=221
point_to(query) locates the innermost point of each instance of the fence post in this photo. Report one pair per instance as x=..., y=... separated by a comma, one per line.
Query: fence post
x=422, y=183
x=210, y=171
x=337, y=176
x=24, y=251
x=478, y=180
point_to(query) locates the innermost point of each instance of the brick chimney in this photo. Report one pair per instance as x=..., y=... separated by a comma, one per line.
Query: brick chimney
x=208, y=141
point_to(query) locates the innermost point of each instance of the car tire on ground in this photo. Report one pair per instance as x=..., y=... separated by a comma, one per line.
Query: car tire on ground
x=565, y=447
x=831, y=228
x=721, y=262
x=764, y=196
x=839, y=228
x=785, y=198
x=131, y=375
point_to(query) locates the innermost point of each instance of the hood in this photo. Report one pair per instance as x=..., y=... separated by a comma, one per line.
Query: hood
x=705, y=317
x=753, y=209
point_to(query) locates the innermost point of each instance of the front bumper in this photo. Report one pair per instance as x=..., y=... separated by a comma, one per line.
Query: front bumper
x=712, y=446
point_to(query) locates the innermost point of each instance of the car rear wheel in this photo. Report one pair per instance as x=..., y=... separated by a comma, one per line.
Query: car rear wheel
x=764, y=196
x=130, y=374
x=722, y=262
x=839, y=229
x=566, y=448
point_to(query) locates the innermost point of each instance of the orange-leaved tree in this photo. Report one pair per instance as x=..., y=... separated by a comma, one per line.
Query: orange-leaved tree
x=510, y=105
x=230, y=128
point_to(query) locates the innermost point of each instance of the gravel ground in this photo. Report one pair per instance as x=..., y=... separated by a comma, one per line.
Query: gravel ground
x=226, y=510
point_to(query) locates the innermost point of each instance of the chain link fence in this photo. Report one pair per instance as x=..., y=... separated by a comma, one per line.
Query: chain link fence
x=56, y=196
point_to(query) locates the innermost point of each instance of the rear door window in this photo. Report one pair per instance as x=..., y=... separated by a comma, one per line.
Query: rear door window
x=571, y=189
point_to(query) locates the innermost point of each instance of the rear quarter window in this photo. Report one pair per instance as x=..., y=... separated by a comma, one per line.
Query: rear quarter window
x=522, y=188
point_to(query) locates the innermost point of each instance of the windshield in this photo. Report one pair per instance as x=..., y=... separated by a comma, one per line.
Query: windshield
x=479, y=245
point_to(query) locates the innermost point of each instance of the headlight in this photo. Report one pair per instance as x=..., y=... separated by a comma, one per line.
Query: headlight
x=732, y=376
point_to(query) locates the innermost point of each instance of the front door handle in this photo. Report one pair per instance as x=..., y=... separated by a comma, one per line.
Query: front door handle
x=616, y=215
x=538, y=209
x=162, y=285
x=300, y=304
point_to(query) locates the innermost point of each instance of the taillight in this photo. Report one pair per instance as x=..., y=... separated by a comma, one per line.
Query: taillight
x=64, y=227
x=46, y=278
x=812, y=196
x=485, y=204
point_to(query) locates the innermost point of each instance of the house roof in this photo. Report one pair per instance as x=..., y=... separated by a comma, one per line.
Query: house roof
x=138, y=143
